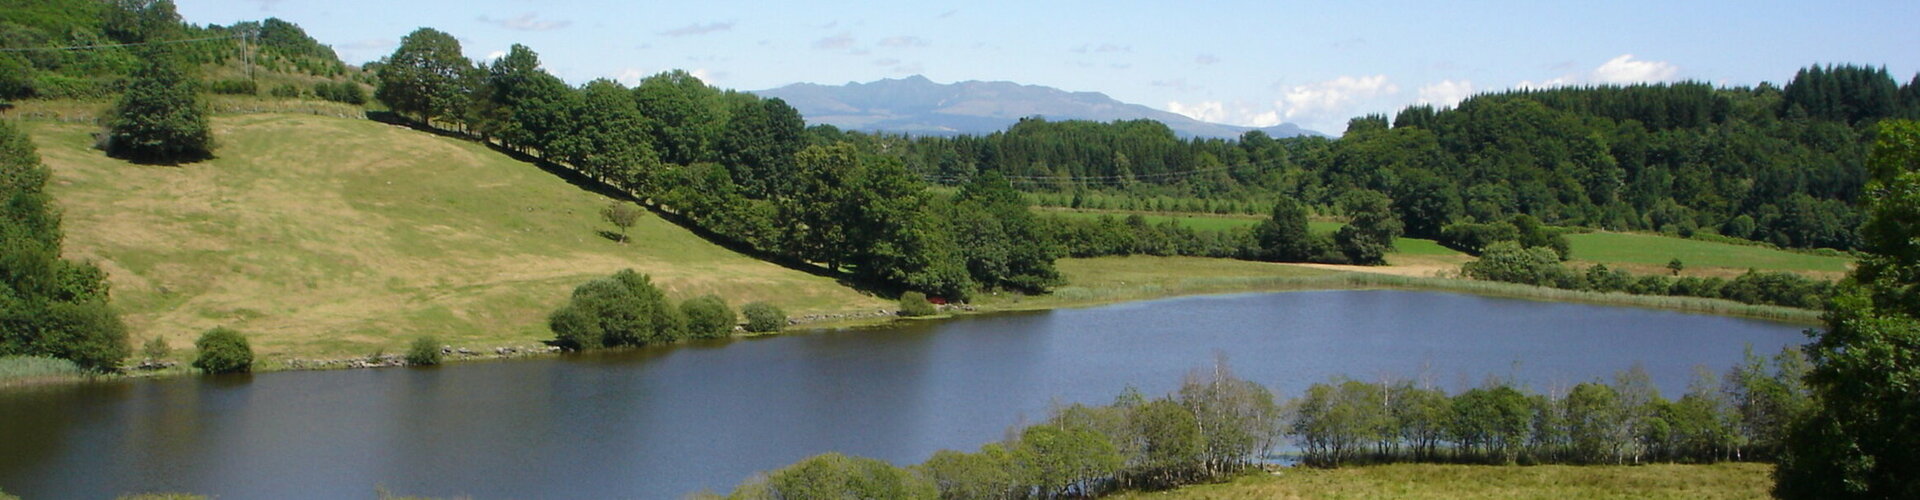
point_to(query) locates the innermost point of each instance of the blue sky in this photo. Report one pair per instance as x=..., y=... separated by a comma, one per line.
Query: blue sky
x=1246, y=63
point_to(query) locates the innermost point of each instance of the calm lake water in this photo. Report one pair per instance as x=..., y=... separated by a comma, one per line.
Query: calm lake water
x=664, y=422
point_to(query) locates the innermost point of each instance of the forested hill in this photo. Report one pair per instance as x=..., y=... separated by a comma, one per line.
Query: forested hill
x=918, y=106
x=1779, y=164
x=88, y=49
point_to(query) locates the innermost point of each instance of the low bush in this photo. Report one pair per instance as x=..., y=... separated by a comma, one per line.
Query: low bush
x=763, y=317
x=223, y=350
x=425, y=351
x=708, y=317
x=915, y=304
x=234, y=86
x=156, y=348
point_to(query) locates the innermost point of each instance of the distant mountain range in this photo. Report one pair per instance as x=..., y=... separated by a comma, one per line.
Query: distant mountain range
x=916, y=105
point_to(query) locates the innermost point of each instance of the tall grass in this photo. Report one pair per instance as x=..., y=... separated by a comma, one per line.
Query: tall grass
x=21, y=370
x=1362, y=281
x=1428, y=481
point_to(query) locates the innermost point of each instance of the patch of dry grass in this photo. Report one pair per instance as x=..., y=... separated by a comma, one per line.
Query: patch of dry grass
x=329, y=237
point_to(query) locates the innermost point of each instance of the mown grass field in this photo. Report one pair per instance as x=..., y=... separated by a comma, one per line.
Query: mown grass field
x=1655, y=251
x=1408, y=246
x=1546, y=482
x=336, y=237
x=1645, y=253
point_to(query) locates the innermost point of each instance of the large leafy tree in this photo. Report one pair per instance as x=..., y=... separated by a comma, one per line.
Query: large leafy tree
x=686, y=116
x=760, y=139
x=1284, y=236
x=1371, y=227
x=610, y=141
x=1002, y=241
x=48, y=306
x=1863, y=439
x=426, y=77
x=161, y=117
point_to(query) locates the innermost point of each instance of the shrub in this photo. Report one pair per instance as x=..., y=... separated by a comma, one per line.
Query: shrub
x=915, y=304
x=234, y=86
x=625, y=309
x=156, y=348
x=223, y=350
x=763, y=317
x=1508, y=261
x=285, y=91
x=425, y=351
x=833, y=475
x=708, y=317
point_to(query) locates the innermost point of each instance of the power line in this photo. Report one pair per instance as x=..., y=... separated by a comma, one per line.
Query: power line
x=114, y=45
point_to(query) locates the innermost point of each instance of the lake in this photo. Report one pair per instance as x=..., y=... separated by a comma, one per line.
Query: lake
x=664, y=422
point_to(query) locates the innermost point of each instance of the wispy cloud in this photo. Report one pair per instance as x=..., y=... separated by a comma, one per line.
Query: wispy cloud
x=1103, y=48
x=836, y=42
x=1205, y=59
x=699, y=29
x=903, y=41
x=1178, y=84
x=526, y=22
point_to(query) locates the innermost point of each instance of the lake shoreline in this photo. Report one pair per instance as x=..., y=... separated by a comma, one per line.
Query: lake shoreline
x=1070, y=297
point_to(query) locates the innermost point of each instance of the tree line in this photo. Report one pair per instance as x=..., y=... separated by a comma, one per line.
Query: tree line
x=270, y=46
x=1765, y=163
x=736, y=167
x=1216, y=425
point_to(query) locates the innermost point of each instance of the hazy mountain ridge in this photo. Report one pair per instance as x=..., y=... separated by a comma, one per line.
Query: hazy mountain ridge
x=916, y=105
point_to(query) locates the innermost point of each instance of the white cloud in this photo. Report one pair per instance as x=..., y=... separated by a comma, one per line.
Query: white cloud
x=1622, y=70
x=495, y=55
x=631, y=76
x=1334, y=95
x=1206, y=111
x=1549, y=83
x=1446, y=93
x=1205, y=59
x=1234, y=113
x=526, y=22
x=699, y=29
x=1625, y=70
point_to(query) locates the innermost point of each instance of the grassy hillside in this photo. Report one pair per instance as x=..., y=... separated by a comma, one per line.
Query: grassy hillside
x=337, y=237
x=1556, y=482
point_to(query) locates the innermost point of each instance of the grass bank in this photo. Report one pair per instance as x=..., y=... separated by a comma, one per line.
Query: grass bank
x=1105, y=280
x=1424, y=481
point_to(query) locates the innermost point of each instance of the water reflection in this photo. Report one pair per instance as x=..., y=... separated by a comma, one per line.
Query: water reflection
x=662, y=422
